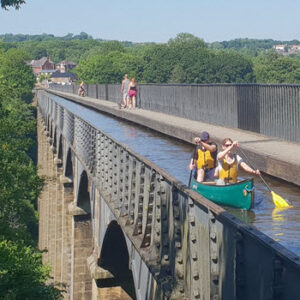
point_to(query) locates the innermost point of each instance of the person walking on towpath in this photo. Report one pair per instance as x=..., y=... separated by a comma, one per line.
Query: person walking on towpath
x=124, y=91
x=204, y=158
x=229, y=163
x=132, y=92
x=81, y=90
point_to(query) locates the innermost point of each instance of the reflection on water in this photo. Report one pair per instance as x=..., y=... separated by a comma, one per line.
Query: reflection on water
x=129, y=132
x=174, y=156
x=278, y=221
x=244, y=215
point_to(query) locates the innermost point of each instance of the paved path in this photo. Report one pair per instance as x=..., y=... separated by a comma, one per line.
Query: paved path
x=273, y=156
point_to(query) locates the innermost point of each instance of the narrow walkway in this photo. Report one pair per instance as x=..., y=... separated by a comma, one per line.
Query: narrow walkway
x=273, y=156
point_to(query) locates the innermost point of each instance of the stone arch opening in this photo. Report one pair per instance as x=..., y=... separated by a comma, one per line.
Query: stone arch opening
x=67, y=220
x=60, y=153
x=115, y=258
x=54, y=139
x=69, y=166
x=82, y=243
x=48, y=125
x=83, y=194
x=50, y=129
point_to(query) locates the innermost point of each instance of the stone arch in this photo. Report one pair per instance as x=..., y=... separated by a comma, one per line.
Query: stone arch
x=54, y=138
x=83, y=200
x=67, y=220
x=60, y=152
x=50, y=134
x=48, y=125
x=69, y=166
x=82, y=244
x=115, y=259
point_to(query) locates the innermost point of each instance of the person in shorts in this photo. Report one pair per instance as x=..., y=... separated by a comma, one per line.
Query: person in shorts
x=124, y=91
x=81, y=90
x=132, y=93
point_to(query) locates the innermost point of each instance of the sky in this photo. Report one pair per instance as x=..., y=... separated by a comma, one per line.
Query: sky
x=157, y=20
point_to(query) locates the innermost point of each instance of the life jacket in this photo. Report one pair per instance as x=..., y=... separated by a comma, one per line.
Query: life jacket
x=229, y=173
x=205, y=160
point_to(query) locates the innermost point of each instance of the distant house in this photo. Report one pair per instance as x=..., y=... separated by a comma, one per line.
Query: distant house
x=295, y=48
x=279, y=47
x=65, y=66
x=287, y=49
x=43, y=66
x=63, y=78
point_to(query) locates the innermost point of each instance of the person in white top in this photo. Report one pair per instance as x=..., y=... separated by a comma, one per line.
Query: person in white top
x=229, y=163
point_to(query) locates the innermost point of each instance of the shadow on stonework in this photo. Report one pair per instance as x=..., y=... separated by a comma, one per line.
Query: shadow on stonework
x=115, y=259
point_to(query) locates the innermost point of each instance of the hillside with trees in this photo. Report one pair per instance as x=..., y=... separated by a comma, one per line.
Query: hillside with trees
x=183, y=59
x=252, y=47
x=22, y=274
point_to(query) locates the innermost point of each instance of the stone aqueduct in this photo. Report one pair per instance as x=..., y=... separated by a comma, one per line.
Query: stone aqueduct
x=107, y=212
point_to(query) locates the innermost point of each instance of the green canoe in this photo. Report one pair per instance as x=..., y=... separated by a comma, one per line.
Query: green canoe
x=238, y=195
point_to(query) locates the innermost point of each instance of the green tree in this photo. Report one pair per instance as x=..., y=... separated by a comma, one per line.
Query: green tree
x=12, y=3
x=158, y=64
x=17, y=78
x=189, y=56
x=22, y=274
x=230, y=67
x=82, y=36
x=104, y=48
x=19, y=182
x=186, y=42
x=109, y=68
x=274, y=68
x=178, y=75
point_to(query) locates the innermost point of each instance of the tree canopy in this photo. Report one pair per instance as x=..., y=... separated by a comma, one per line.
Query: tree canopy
x=18, y=78
x=22, y=274
x=184, y=59
x=12, y=3
x=275, y=68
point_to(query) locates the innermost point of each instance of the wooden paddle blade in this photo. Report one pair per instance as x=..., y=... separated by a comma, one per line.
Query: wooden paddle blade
x=279, y=201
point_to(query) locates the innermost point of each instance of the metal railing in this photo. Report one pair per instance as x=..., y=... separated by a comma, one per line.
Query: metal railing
x=272, y=110
x=193, y=248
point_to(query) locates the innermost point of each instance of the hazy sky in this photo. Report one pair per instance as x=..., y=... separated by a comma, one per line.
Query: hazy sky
x=157, y=20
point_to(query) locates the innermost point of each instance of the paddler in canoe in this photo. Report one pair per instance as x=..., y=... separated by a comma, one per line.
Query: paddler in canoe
x=204, y=158
x=229, y=164
x=228, y=190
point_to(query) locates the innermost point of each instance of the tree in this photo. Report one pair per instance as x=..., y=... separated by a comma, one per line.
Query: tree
x=158, y=64
x=17, y=78
x=109, y=68
x=275, y=68
x=82, y=36
x=197, y=65
x=104, y=48
x=12, y=3
x=19, y=182
x=178, y=75
x=191, y=57
x=22, y=274
x=230, y=67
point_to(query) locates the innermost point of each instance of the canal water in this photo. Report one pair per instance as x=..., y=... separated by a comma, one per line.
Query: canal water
x=173, y=156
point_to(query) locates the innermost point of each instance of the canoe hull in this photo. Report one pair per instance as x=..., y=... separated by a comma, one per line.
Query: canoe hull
x=238, y=195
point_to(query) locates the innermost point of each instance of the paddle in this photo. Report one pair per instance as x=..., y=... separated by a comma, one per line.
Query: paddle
x=278, y=201
x=191, y=173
